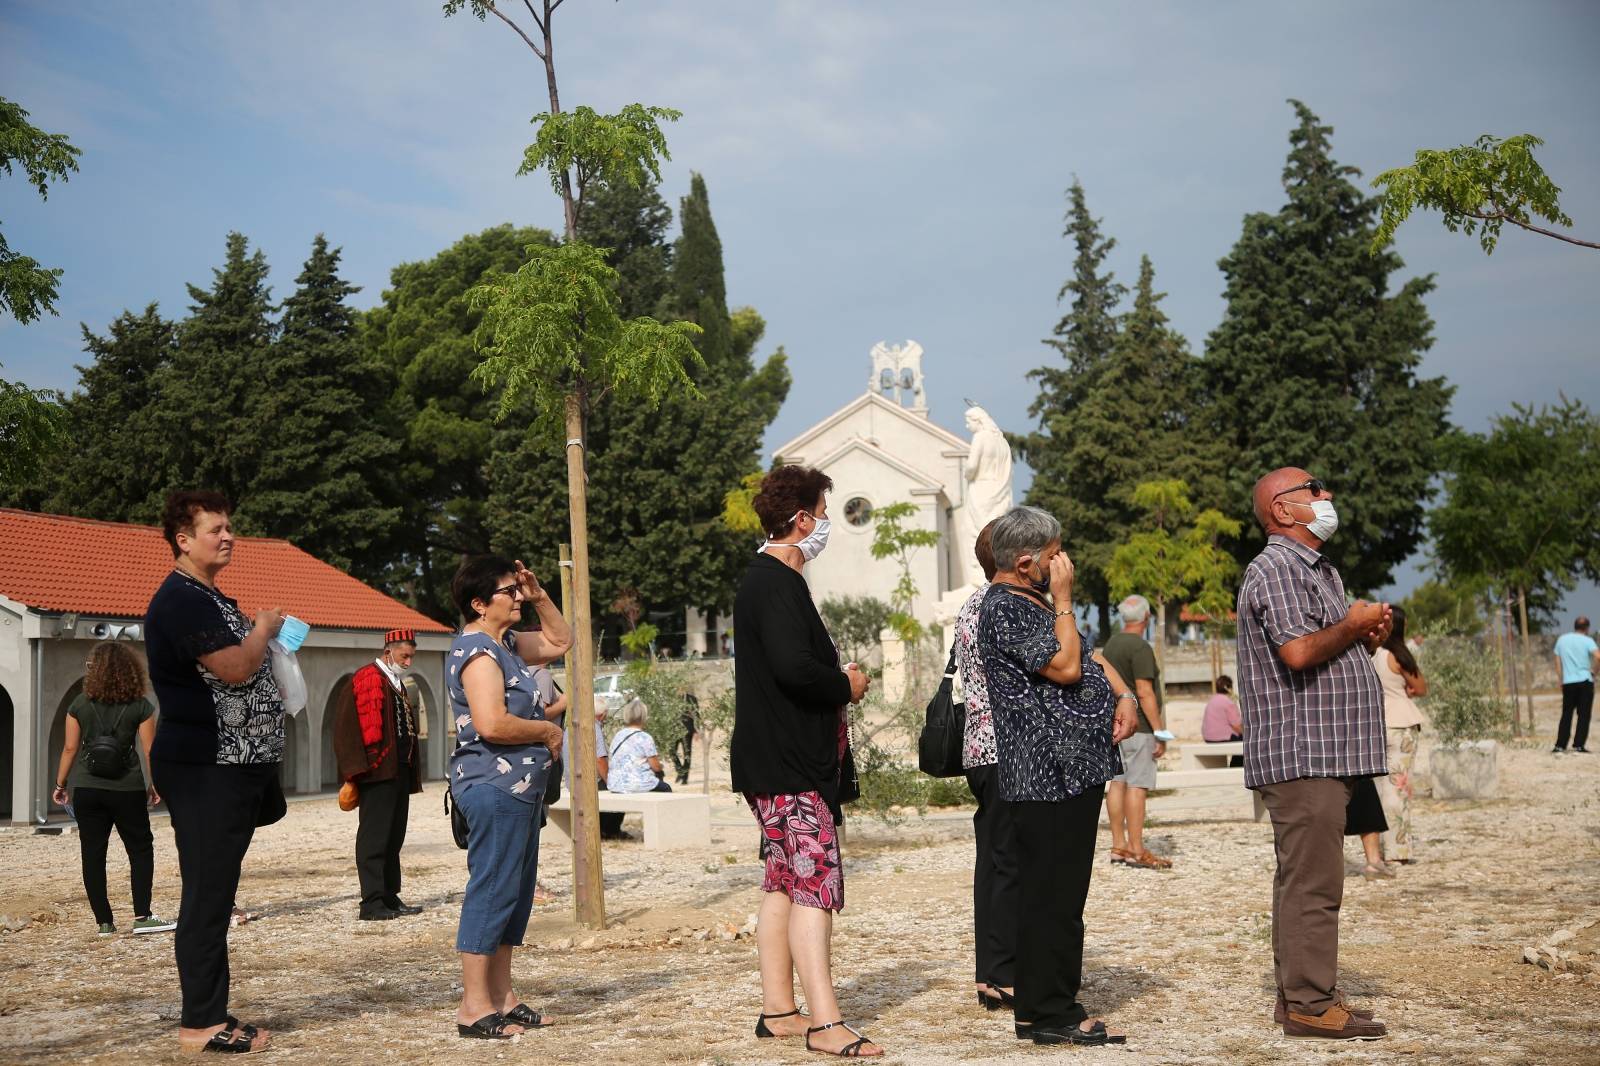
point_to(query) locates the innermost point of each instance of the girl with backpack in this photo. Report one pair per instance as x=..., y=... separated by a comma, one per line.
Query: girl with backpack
x=107, y=725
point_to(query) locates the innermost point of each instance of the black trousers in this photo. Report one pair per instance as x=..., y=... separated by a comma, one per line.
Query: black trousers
x=215, y=811
x=384, y=811
x=1577, y=698
x=1055, y=858
x=98, y=810
x=994, y=881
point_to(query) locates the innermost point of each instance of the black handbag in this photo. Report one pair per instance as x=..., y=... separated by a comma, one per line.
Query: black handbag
x=458, y=820
x=943, y=731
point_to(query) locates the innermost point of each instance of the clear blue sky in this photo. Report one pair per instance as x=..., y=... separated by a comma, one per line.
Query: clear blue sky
x=877, y=171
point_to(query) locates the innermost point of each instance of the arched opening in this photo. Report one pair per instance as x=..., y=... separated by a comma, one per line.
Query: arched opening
x=8, y=725
x=330, y=766
x=429, y=722
x=58, y=740
x=288, y=774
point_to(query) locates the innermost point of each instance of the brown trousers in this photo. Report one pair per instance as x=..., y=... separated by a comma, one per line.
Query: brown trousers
x=1308, y=833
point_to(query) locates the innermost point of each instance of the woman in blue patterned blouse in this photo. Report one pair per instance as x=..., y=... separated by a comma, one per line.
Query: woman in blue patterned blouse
x=1059, y=711
x=504, y=748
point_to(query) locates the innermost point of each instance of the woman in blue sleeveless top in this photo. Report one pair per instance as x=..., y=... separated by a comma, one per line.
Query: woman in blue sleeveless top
x=504, y=748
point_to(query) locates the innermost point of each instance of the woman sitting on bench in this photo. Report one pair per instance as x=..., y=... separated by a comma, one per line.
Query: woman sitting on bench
x=634, y=765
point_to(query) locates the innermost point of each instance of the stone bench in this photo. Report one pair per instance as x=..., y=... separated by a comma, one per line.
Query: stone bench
x=671, y=819
x=1204, y=779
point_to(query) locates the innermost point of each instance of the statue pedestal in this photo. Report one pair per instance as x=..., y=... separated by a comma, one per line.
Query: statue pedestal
x=894, y=665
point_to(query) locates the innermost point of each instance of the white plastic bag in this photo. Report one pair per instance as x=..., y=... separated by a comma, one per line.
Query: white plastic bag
x=291, y=682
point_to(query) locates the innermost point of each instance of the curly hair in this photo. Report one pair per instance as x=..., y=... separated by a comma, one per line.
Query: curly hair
x=114, y=674
x=177, y=514
x=786, y=491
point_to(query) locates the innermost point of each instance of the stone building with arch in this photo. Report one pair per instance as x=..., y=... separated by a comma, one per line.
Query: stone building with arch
x=66, y=583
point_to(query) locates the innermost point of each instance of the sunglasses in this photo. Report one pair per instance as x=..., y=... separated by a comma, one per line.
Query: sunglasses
x=1315, y=485
x=513, y=590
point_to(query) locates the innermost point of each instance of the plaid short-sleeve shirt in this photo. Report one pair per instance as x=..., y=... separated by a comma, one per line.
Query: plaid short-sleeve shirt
x=1326, y=721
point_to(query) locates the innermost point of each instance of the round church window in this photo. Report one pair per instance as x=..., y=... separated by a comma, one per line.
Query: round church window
x=857, y=511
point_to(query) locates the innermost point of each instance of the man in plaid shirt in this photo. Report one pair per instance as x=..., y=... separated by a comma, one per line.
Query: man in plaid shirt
x=1313, y=721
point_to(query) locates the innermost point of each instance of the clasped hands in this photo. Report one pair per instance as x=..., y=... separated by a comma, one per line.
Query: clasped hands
x=1372, y=620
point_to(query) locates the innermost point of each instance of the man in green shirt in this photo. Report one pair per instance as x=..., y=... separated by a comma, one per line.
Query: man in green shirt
x=1135, y=660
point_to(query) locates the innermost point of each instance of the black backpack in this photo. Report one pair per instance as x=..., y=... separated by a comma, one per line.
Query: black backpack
x=106, y=756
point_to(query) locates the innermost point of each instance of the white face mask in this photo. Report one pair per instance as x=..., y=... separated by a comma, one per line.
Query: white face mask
x=812, y=543
x=1325, y=521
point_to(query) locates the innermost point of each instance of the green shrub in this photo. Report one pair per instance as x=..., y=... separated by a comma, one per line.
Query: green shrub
x=950, y=792
x=1461, y=702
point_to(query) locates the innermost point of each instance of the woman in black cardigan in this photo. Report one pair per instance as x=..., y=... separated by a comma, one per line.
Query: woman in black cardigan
x=791, y=759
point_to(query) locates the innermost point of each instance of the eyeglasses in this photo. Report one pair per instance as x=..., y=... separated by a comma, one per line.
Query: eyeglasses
x=513, y=590
x=1315, y=485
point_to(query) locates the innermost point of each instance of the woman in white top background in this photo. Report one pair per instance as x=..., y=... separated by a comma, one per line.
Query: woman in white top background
x=1402, y=680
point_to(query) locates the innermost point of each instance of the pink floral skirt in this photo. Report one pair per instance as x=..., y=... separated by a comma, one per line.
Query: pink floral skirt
x=800, y=846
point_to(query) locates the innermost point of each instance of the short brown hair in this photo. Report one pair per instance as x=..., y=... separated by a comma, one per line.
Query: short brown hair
x=114, y=674
x=177, y=516
x=786, y=491
x=984, y=550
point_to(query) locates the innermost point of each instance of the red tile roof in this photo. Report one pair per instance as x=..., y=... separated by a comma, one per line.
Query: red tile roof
x=56, y=563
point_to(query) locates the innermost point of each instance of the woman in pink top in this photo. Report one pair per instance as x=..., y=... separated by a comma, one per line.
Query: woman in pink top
x=1402, y=679
x=1221, y=722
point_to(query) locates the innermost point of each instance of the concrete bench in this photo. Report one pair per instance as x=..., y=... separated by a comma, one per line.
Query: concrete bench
x=1205, y=780
x=671, y=819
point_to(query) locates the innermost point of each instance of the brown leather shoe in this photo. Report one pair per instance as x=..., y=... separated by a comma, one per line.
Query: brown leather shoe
x=1280, y=1011
x=1335, y=1023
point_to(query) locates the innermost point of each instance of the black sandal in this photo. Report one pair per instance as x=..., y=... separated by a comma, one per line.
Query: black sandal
x=231, y=1041
x=1096, y=1035
x=489, y=1027
x=849, y=1051
x=525, y=1016
x=761, y=1023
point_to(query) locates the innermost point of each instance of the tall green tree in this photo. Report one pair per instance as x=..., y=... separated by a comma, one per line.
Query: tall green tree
x=658, y=476
x=107, y=473
x=31, y=420
x=1057, y=452
x=700, y=291
x=1315, y=363
x=203, y=395
x=324, y=463
x=420, y=336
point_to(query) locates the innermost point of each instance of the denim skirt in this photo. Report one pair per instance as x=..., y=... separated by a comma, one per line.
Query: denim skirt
x=502, y=865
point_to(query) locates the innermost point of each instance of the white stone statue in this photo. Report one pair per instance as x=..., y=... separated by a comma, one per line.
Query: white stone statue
x=989, y=490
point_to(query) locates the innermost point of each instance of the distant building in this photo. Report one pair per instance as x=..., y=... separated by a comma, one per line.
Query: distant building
x=883, y=448
x=66, y=583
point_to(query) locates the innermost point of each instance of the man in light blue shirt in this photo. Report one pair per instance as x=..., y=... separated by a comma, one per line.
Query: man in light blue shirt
x=1576, y=659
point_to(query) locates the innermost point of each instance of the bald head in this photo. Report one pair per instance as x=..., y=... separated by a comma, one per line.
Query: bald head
x=1270, y=485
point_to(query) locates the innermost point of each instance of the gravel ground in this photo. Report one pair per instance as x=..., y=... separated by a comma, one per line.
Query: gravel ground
x=1179, y=959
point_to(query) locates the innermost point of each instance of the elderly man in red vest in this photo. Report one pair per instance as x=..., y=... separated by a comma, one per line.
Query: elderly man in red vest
x=375, y=744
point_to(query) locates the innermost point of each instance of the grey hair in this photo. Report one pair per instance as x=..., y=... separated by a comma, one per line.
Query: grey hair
x=635, y=712
x=1134, y=609
x=1022, y=531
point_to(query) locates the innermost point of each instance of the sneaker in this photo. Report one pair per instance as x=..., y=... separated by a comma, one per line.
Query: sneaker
x=151, y=924
x=107, y=929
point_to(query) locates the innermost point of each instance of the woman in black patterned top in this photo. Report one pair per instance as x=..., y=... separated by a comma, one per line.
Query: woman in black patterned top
x=1059, y=711
x=215, y=759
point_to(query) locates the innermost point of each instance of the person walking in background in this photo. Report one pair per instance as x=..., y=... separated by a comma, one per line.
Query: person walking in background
x=1577, y=658
x=216, y=755
x=1135, y=661
x=1402, y=682
x=375, y=745
x=790, y=757
x=498, y=771
x=1059, y=710
x=1363, y=817
x=994, y=871
x=110, y=724
x=633, y=764
x=1313, y=721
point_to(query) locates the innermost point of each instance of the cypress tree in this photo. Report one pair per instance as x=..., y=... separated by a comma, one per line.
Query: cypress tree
x=106, y=474
x=202, y=395
x=324, y=459
x=1315, y=363
x=1084, y=337
x=699, y=289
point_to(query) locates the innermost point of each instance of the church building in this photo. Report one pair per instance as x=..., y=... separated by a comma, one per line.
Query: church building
x=879, y=449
